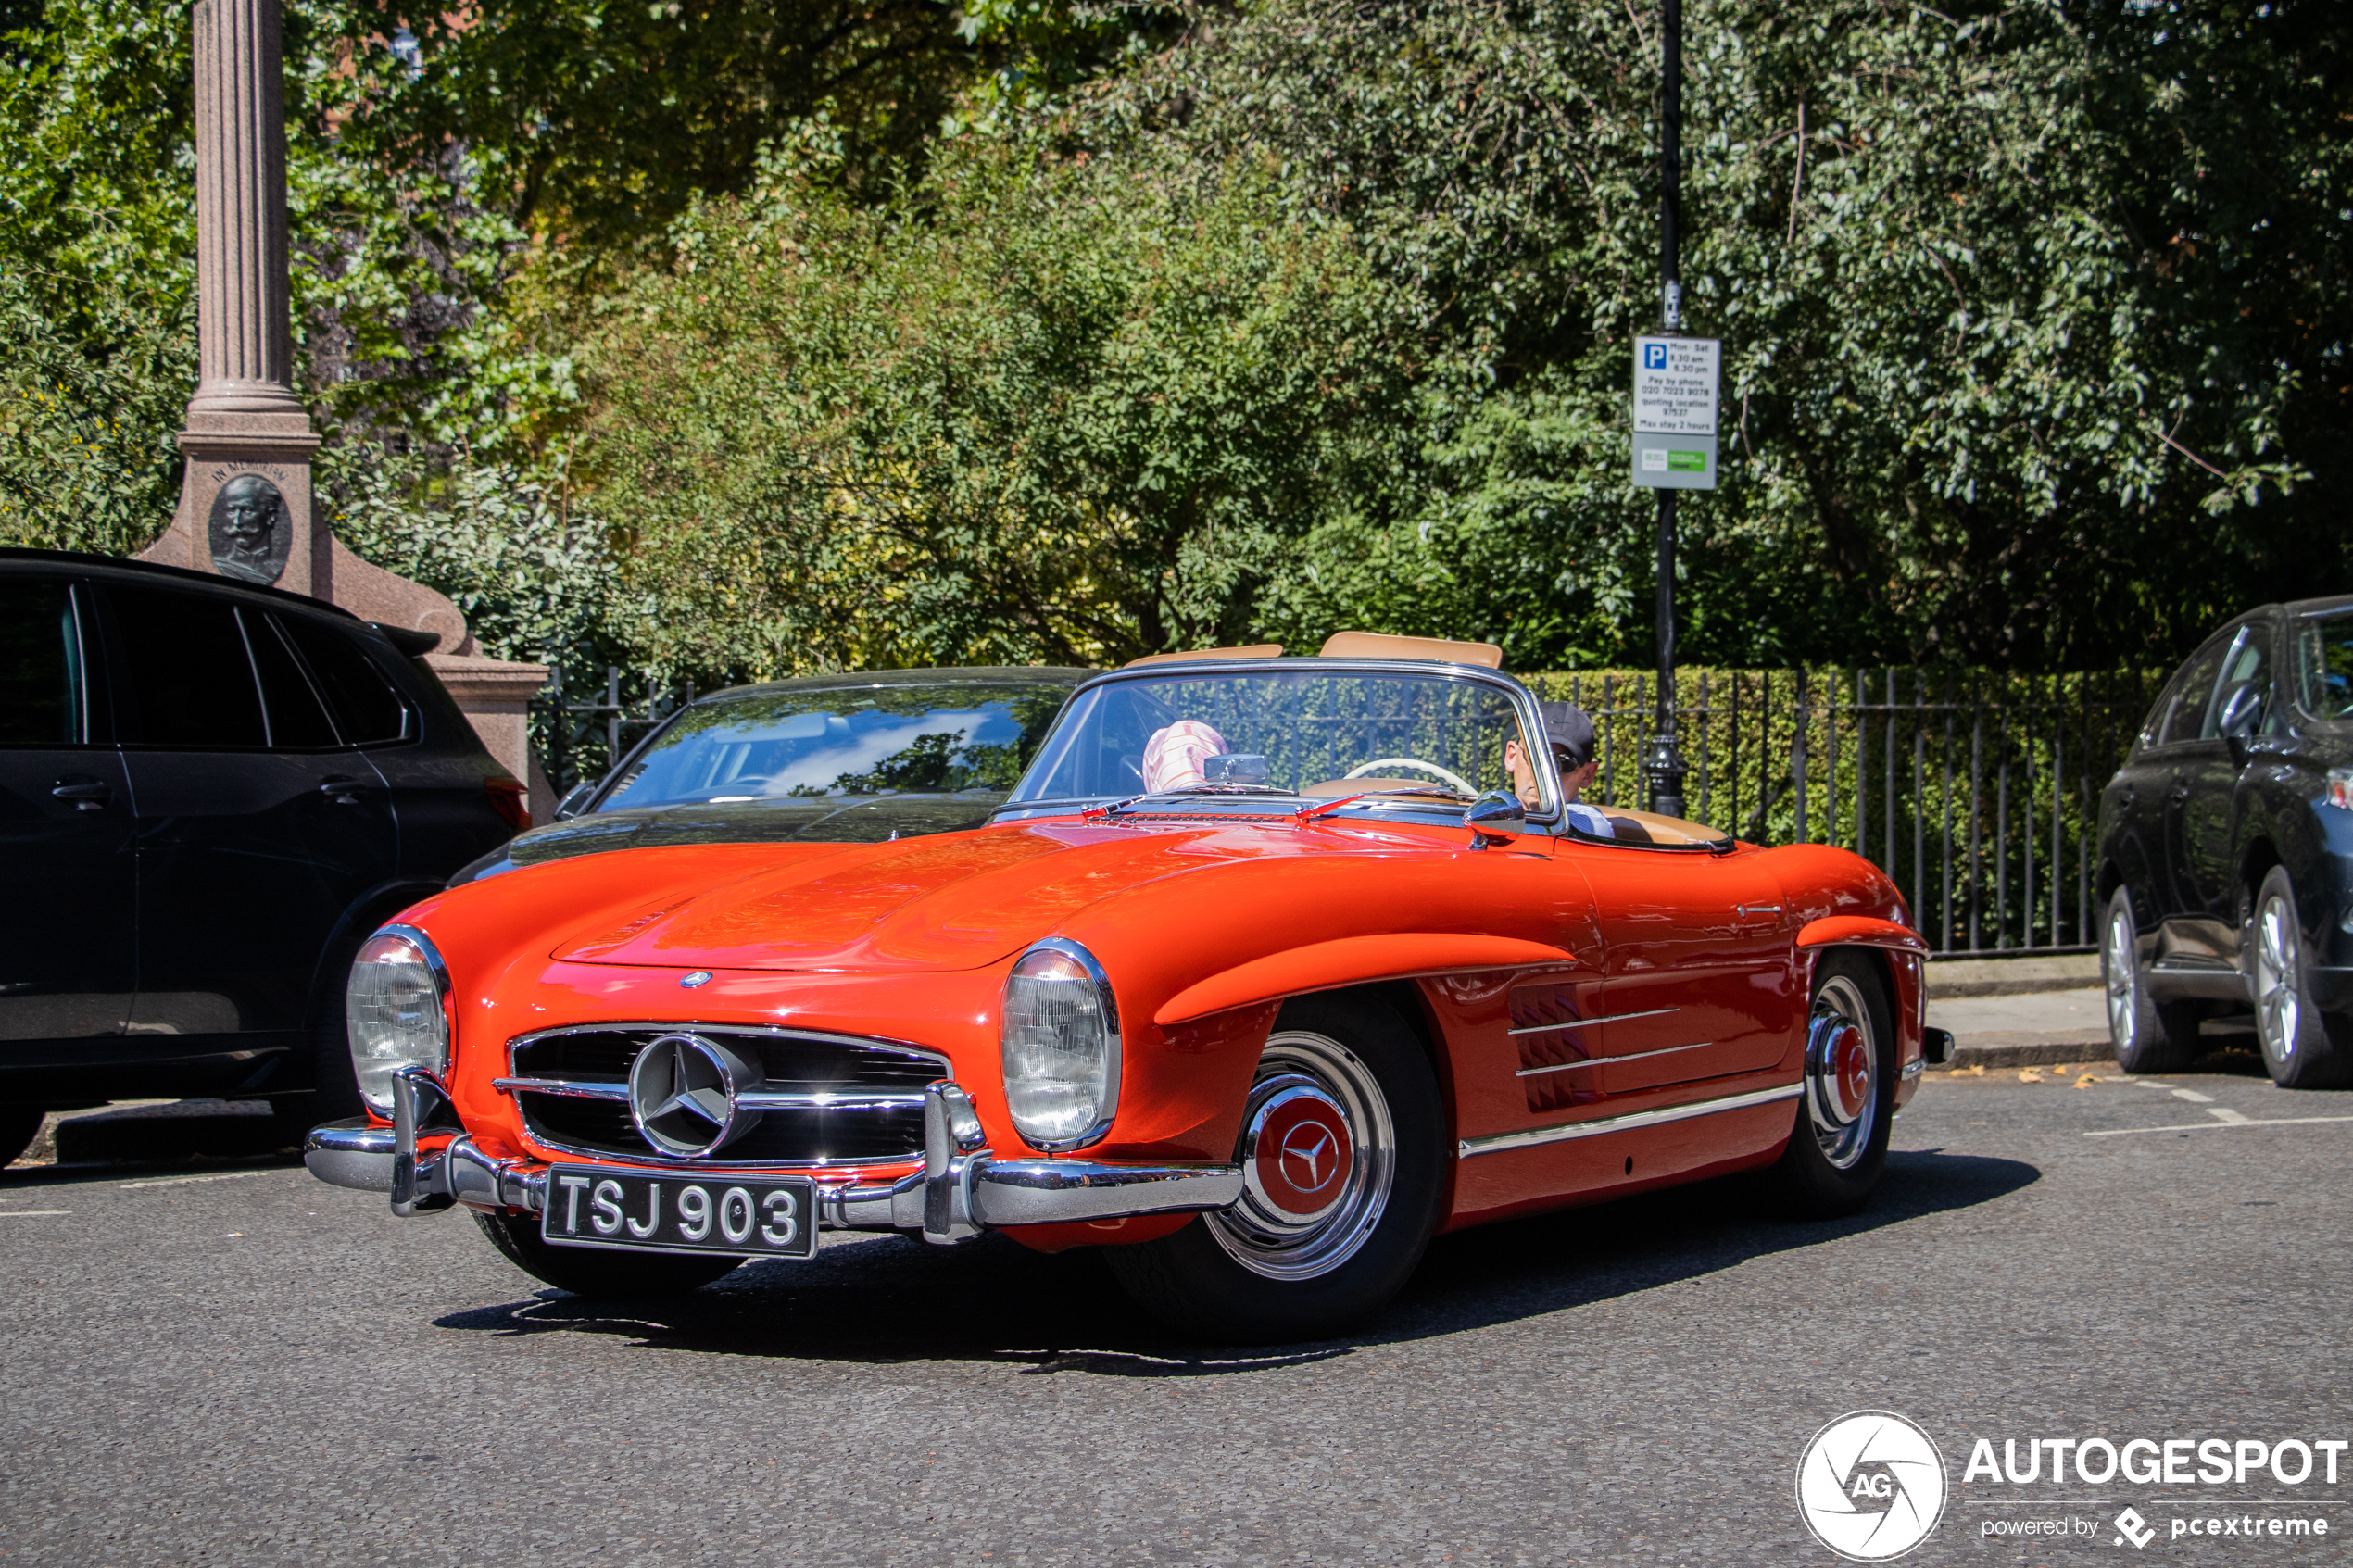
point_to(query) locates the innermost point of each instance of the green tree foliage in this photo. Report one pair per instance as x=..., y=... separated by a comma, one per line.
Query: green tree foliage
x=2035, y=312
x=1036, y=407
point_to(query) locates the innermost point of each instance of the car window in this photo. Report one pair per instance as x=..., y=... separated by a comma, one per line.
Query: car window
x=297, y=718
x=2324, y=665
x=2247, y=664
x=1315, y=729
x=184, y=679
x=842, y=742
x=40, y=663
x=367, y=708
x=2193, y=693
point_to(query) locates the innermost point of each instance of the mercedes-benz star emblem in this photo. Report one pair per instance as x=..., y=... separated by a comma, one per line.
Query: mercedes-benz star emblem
x=1307, y=1156
x=683, y=1095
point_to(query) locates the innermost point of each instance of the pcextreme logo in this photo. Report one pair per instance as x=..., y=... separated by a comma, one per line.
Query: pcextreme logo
x=1870, y=1485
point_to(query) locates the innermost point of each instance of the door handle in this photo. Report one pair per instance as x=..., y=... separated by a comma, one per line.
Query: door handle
x=345, y=791
x=86, y=793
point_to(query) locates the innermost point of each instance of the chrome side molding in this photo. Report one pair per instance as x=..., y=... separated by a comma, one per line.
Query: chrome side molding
x=1532, y=1137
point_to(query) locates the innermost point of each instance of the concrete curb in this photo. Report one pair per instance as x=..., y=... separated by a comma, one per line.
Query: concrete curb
x=1949, y=978
x=2030, y=1047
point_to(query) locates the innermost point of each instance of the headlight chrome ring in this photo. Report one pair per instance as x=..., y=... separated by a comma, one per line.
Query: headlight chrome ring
x=1059, y=1047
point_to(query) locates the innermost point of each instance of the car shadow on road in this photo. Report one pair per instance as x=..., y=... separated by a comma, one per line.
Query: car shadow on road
x=887, y=1299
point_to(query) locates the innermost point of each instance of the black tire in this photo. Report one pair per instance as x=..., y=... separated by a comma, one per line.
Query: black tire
x=2148, y=1035
x=335, y=1093
x=2303, y=1049
x=20, y=1125
x=1838, y=1147
x=1225, y=1278
x=595, y=1272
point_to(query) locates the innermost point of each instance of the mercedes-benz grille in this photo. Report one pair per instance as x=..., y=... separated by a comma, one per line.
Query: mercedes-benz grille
x=827, y=1099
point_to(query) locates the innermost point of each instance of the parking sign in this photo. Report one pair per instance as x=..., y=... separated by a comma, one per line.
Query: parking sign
x=1675, y=397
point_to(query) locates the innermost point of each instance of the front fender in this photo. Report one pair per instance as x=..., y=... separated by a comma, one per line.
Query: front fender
x=1351, y=960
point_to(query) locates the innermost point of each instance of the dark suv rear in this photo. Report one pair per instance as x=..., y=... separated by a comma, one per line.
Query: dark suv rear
x=209, y=793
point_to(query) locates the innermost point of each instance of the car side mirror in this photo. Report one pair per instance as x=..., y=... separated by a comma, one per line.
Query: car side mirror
x=576, y=799
x=2241, y=711
x=1496, y=817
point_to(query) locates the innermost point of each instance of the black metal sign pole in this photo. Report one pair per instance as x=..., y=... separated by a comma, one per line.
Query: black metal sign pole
x=1664, y=762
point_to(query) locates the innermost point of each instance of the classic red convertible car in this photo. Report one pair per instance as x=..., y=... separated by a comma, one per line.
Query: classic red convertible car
x=1258, y=980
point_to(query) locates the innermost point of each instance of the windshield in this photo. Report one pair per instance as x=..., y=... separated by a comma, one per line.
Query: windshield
x=1314, y=731
x=842, y=741
x=2324, y=666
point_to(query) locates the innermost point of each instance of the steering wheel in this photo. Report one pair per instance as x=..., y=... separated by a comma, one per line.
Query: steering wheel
x=1380, y=764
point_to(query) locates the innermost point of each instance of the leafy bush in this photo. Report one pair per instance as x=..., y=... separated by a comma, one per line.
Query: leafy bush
x=1035, y=409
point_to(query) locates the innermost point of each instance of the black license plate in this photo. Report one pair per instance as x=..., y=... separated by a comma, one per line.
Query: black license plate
x=595, y=1206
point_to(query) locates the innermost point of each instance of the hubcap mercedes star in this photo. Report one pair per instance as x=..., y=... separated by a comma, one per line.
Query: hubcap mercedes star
x=2278, y=1007
x=1841, y=1074
x=682, y=1092
x=1319, y=1157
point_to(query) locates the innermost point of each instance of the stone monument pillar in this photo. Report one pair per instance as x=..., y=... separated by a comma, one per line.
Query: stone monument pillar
x=246, y=503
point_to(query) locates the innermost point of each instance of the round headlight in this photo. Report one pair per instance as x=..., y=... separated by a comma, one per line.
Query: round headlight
x=1060, y=1045
x=393, y=1012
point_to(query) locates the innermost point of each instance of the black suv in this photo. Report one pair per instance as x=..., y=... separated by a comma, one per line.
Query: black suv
x=209, y=794
x=2226, y=851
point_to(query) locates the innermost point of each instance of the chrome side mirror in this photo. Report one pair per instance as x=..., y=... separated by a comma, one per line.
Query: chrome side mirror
x=576, y=799
x=1496, y=817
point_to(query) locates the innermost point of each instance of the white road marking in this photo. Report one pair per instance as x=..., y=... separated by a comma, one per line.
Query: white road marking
x=31, y=1213
x=2148, y=1083
x=2211, y=1126
x=2193, y=1095
x=2224, y=1113
x=190, y=1181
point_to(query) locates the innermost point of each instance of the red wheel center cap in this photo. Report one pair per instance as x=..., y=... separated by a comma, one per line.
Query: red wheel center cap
x=1302, y=1153
x=1851, y=1060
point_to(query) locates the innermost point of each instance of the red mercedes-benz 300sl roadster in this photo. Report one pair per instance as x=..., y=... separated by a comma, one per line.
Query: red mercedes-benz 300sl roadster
x=1258, y=980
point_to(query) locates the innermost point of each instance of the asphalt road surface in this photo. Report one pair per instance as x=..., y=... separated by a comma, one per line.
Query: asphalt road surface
x=241, y=1366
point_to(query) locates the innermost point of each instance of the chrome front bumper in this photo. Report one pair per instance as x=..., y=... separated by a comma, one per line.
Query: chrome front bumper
x=962, y=1189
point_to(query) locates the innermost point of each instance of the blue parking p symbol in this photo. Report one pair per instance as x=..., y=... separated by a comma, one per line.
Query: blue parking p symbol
x=1653, y=356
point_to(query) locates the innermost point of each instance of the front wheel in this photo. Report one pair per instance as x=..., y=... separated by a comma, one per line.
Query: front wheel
x=1343, y=1157
x=1847, y=1098
x=2299, y=1048
x=595, y=1272
x=2148, y=1035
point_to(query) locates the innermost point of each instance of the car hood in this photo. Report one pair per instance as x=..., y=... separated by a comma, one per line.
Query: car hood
x=954, y=901
x=854, y=820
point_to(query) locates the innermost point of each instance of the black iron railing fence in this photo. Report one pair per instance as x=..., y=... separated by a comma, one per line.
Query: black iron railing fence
x=1977, y=792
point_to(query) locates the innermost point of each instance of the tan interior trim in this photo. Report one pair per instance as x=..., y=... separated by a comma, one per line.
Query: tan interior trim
x=1667, y=830
x=1255, y=650
x=1380, y=645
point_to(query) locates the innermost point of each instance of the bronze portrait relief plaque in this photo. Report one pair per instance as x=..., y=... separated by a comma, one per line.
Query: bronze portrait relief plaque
x=250, y=530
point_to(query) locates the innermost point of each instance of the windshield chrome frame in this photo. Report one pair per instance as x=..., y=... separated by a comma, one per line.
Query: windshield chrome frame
x=1546, y=819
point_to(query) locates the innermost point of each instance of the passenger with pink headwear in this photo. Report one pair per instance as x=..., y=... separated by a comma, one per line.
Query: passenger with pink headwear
x=1173, y=757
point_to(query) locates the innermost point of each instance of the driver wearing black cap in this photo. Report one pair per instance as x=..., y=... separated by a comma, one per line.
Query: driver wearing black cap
x=1569, y=731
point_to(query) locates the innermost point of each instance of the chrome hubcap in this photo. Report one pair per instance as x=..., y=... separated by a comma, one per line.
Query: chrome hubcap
x=1841, y=1074
x=1318, y=1158
x=2123, y=1005
x=2278, y=1004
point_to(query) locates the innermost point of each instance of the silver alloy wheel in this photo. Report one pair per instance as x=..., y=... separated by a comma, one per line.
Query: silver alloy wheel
x=2123, y=982
x=1264, y=1239
x=2278, y=981
x=1842, y=1072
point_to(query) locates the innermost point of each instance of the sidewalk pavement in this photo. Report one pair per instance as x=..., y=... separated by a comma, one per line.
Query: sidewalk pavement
x=2025, y=1031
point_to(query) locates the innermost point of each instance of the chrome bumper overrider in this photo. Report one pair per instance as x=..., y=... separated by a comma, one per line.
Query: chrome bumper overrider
x=962, y=1189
